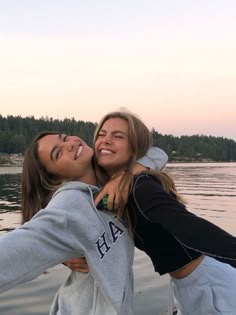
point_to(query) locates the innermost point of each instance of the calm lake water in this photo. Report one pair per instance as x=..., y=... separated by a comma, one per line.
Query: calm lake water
x=210, y=189
x=9, y=188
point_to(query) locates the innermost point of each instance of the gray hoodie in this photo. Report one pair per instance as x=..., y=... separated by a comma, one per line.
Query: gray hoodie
x=71, y=226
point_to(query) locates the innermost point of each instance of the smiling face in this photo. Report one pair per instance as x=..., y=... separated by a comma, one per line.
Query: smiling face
x=67, y=157
x=112, y=147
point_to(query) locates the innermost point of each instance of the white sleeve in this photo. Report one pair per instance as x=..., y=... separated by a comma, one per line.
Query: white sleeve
x=155, y=158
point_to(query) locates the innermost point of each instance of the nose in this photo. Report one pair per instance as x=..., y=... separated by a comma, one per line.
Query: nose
x=70, y=145
x=106, y=139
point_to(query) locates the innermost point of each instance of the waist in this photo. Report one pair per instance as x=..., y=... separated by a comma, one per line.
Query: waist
x=187, y=269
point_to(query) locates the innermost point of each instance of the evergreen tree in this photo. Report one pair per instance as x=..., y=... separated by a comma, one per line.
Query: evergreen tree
x=16, y=133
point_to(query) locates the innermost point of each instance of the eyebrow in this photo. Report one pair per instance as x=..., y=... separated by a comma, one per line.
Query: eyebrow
x=55, y=148
x=114, y=132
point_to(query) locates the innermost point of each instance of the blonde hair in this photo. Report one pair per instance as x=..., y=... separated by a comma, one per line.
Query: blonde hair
x=139, y=136
x=140, y=140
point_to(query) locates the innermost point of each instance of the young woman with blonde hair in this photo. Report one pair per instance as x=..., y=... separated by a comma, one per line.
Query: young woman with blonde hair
x=199, y=256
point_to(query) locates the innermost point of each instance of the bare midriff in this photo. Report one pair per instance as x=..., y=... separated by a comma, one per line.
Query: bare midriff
x=187, y=269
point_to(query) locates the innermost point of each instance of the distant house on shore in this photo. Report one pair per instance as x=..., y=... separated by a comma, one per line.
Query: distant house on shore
x=16, y=158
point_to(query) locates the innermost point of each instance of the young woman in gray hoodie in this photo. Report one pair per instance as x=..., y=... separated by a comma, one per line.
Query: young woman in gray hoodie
x=63, y=222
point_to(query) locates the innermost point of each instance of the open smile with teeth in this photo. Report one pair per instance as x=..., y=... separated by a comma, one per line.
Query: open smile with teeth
x=80, y=148
x=104, y=151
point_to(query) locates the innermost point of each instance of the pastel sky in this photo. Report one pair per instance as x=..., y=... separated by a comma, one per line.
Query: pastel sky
x=172, y=62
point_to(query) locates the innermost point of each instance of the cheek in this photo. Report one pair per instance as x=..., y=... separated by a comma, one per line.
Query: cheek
x=126, y=151
x=127, y=157
x=51, y=169
x=65, y=172
x=123, y=157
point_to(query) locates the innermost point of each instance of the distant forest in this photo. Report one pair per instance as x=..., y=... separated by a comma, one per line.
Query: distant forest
x=17, y=132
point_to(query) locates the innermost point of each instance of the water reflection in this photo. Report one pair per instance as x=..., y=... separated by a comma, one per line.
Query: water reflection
x=9, y=192
x=210, y=189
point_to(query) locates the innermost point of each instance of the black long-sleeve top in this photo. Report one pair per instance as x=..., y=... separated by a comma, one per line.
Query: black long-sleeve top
x=171, y=235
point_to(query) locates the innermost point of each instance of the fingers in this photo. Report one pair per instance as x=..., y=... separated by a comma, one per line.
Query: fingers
x=114, y=201
x=106, y=198
x=80, y=269
x=113, y=193
x=77, y=264
x=109, y=201
x=99, y=197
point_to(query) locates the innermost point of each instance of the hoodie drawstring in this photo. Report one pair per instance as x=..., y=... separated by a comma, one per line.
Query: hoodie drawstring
x=98, y=214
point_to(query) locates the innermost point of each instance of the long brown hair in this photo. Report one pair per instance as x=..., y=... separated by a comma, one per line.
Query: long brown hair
x=140, y=139
x=37, y=184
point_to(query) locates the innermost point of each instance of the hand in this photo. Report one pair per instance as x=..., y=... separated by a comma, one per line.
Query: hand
x=115, y=196
x=77, y=264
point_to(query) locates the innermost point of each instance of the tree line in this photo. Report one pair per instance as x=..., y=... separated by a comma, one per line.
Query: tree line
x=17, y=132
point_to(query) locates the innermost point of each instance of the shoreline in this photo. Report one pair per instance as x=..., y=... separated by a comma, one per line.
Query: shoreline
x=169, y=162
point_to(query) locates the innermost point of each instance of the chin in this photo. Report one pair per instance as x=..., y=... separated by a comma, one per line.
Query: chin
x=104, y=165
x=107, y=166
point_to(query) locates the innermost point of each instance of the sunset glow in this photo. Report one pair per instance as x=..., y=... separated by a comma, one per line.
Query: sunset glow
x=171, y=62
